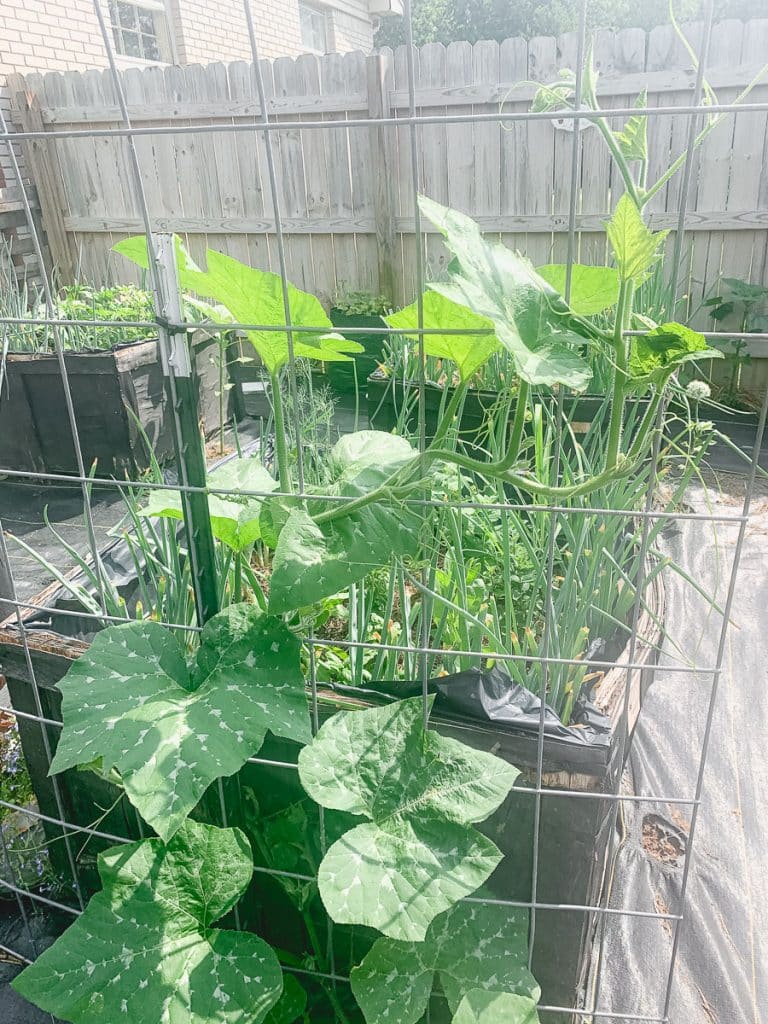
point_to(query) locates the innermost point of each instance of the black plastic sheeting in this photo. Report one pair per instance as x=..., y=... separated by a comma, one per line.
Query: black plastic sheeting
x=490, y=695
x=722, y=967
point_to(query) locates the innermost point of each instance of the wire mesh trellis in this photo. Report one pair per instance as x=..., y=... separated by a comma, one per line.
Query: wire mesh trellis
x=172, y=327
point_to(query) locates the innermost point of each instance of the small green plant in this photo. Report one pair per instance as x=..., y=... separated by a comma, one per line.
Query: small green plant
x=748, y=303
x=362, y=304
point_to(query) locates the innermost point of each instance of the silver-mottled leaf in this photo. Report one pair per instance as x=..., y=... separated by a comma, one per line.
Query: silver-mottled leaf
x=417, y=855
x=132, y=702
x=144, y=949
x=472, y=946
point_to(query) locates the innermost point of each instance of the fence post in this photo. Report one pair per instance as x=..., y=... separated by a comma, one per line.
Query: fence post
x=380, y=84
x=40, y=162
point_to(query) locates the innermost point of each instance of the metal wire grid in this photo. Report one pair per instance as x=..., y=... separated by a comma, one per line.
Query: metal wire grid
x=170, y=321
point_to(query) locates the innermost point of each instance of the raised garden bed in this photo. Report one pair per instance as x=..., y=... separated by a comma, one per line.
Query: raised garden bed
x=385, y=397
x=117, y=394
x=574, y=833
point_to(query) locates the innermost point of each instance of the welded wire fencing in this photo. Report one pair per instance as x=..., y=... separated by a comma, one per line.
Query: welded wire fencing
x=423, y=631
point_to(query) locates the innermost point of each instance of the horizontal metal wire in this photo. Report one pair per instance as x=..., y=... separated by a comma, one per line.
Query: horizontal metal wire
x=500, y=506
x=277, y=125
x=222, y=327
x=542, y=1008
x=376, y=645
x=651, y=798
x=569, y=908
x=39, y=898
x=340, y=978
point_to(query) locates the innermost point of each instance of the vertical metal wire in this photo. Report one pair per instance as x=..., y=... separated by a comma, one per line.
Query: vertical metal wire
x=279, y=238
x=685, y=186
x=420, y=278
x=602, y=924
x=549, y=625
x=43, y=729
x=162, y=298
x=201, y=562
x=58, y=343
x=280, y=245
x=750, y=485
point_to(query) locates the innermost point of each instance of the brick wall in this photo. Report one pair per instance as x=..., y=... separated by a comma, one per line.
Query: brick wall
x=207, y=32
x=352, y=29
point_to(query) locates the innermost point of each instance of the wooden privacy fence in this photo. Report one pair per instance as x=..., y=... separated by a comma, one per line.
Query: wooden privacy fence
x=345, y=194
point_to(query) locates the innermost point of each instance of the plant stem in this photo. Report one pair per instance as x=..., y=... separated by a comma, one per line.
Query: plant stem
x=237, y=589
x=281, y=444
x=450, y=412
x=618, y=401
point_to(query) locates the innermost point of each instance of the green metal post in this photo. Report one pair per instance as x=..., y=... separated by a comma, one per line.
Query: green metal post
x=182, y=392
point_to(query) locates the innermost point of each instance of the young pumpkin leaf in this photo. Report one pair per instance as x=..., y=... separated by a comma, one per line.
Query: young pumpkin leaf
x=659, y=352
x=315, y=560
x=470, y=947
x=468, y=351
x=481, y=1007
x=145, y=948
x=633, y=137
x=132, y=702
x=255, y=297
x=417, y=854
x=635, y=247
x=593, y=289
x=531, y=320
x=234, y=517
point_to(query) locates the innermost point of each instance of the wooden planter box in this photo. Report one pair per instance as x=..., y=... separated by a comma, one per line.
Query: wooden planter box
x=574, y=833
x=111, y=391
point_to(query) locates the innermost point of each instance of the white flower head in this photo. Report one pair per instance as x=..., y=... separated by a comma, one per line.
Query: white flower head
x=698, y=390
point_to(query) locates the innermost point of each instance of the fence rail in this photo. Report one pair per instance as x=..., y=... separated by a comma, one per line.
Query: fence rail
x=344, y=197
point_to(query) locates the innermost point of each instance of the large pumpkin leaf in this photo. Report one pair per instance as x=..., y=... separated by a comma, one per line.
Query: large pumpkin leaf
x=417, y=854
x=255, y=297
x=531, y=319
x=314, y=560
x=480, y=1007
x=472, y=946
x=656, y=354
x=131, y=703
x=635, y=247
x=145, y=949
x=468, y=351
x=593, y=289
x=234, y=517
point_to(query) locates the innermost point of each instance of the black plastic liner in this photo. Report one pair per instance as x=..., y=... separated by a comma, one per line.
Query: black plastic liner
x=490, y=695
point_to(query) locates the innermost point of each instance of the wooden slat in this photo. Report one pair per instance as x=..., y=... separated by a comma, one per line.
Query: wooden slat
x=676, y=80
x=506, y=223
x=379, y=75
x=147, y=113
